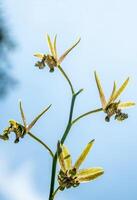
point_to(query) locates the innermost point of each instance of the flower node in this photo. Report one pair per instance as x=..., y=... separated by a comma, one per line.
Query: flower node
x=121, y=116
x=47, y=60
x=51, y=62
x=68, y=179
x=113, y=109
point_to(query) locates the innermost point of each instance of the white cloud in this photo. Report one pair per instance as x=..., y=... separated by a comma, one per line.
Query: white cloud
x=18, y=184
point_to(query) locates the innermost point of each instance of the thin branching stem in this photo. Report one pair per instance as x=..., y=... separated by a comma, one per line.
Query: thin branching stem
x=68, y=127
x=54, y=163
x=67, y=78
x=41, y=142
x=70, y=120
x=86, y=114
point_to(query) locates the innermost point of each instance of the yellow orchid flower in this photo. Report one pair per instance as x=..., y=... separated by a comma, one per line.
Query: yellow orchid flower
x=19, y=129
x=52, y=60
x=70, y=175
x=113, y=107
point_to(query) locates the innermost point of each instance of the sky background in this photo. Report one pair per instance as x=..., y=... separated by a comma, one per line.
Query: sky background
x=108, y=31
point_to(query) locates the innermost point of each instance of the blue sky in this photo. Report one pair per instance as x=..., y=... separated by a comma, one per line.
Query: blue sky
x=108, y=44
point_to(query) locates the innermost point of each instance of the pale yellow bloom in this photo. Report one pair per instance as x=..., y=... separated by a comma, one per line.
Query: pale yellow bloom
x=113, y=107
x=70, y=175
x=52, y=60
x=19, y=129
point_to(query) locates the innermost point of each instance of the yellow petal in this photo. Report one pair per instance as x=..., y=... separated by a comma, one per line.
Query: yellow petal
x=83, y=155
x=22, y=114
x=127, y=104
x=55, y=48
x=13, y=122
x=67, y=52
x=120, y=90
x=39, y=55
x=64, y=157
x=112, y=94
x=89, y=174
x=36, y=119
x=101, y=93
x=50, y=45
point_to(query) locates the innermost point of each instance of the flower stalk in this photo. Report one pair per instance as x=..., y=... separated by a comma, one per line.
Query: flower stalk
x=86, y=114
x=68, y=127
x=42, y=143
x=54, y=163
x=67, y=78
x=69, y=175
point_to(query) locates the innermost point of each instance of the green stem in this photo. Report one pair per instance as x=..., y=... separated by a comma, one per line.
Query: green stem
x=54, y=163
x=69, y=125
x=41, y=142
x=55, y=192
x=69, y=121
x=67, y=78
x=85, y=114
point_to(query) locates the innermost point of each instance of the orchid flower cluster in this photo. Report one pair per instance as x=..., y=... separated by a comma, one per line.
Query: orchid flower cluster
x=69, y=174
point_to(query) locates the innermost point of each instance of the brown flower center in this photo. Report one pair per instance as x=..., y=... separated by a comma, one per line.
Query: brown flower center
x=68, y=179
x=113, y=109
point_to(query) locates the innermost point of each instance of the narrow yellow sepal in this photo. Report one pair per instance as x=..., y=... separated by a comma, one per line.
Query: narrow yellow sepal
x=50, y=46
x=120, y=90
x=86, y=175
x=64, y=158
x=22, y=114
x=37, y=118
x=38, y=55
x=112, y=94
x=55, y=47
x=83, y=155
x=127, y=104
x=67, y=52
x=101, y=93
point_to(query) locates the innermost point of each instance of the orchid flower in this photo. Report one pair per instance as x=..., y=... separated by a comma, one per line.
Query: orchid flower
x=70, y=175
x=113, y=107
x=52, y=60
x=19, y=129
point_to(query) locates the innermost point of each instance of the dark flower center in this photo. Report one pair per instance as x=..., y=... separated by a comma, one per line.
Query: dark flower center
x=113, y=109
x=68, y=179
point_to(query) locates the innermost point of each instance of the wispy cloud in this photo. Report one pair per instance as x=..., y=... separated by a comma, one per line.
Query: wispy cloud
x=18, y=184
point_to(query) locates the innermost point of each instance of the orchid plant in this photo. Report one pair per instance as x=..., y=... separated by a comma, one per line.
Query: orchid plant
x=69, y=175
